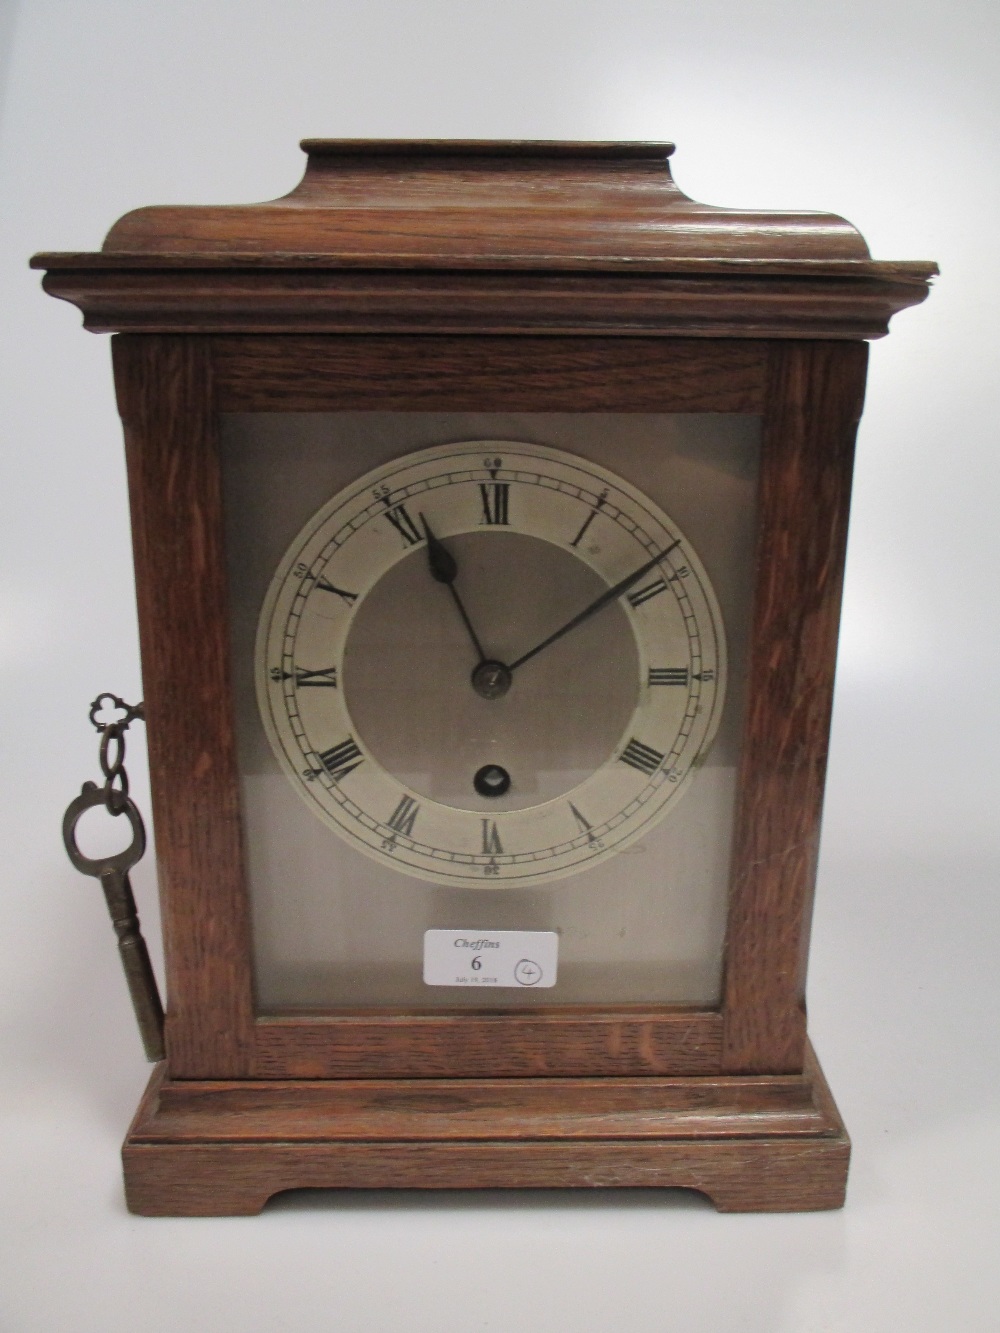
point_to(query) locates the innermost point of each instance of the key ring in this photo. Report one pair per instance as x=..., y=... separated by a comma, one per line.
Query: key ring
x=90, y=796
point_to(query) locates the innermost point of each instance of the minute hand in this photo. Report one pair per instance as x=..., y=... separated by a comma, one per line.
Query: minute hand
x=604, y=600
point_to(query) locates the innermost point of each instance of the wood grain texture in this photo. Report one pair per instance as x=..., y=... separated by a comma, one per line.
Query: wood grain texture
x=483, y=1109
x=165, y=399
x=501, y=238
x=746, y=301
x=745, y=1175
x=559, y=1042
x=749, y=1144
x=326, y=374
x=496, y=201
x=914, y=271
x=815, y=396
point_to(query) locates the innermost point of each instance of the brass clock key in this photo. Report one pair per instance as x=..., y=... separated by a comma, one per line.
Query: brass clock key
x=113, y=870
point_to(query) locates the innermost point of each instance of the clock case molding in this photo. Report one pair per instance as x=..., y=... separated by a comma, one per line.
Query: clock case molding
x=461, y=276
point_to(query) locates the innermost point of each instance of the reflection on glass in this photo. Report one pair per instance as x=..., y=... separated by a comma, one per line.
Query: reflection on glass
x=334, y=928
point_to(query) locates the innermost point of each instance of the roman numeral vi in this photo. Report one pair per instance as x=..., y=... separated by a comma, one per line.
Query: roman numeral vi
x=491, y=838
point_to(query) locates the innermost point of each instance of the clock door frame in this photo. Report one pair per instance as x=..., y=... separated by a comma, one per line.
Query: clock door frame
x=171, y=389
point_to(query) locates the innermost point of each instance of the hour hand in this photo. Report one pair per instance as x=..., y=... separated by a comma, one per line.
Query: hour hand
x=444, y=568
x=443, y=564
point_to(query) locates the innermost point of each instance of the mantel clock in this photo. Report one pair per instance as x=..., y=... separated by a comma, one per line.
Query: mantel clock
x=489, y=505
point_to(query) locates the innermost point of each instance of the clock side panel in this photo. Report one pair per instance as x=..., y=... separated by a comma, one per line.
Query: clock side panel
x=166, y=399
x=814, y=400
x=334, y=930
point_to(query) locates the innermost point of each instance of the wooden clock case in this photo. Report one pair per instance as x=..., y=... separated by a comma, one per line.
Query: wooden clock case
x=489, y=277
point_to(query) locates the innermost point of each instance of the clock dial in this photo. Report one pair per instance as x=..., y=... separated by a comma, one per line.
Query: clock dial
x=490, y=664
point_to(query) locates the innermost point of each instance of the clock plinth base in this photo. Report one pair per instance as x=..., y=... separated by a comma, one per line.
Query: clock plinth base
x=749, y=1143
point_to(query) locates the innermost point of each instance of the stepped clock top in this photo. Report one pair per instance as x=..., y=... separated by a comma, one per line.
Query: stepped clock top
x=445, y=202
x=430, y=207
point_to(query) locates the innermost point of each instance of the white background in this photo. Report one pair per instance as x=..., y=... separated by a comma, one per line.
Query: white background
x=884, y=111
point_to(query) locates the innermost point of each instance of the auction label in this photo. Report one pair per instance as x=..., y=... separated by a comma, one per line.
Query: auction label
x=521, y=959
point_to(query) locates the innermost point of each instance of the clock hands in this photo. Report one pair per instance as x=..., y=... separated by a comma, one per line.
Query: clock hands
x=444, y=568
x=492, y=678
x=611, y=595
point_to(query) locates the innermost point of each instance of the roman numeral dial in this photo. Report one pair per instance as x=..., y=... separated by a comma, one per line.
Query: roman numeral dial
x=486, y=665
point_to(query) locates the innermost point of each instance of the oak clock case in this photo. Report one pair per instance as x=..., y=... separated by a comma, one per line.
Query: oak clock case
x=358, y=715
x=503, y=491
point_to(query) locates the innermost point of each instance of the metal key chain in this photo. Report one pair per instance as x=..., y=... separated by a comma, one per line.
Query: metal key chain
x=112, y=871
